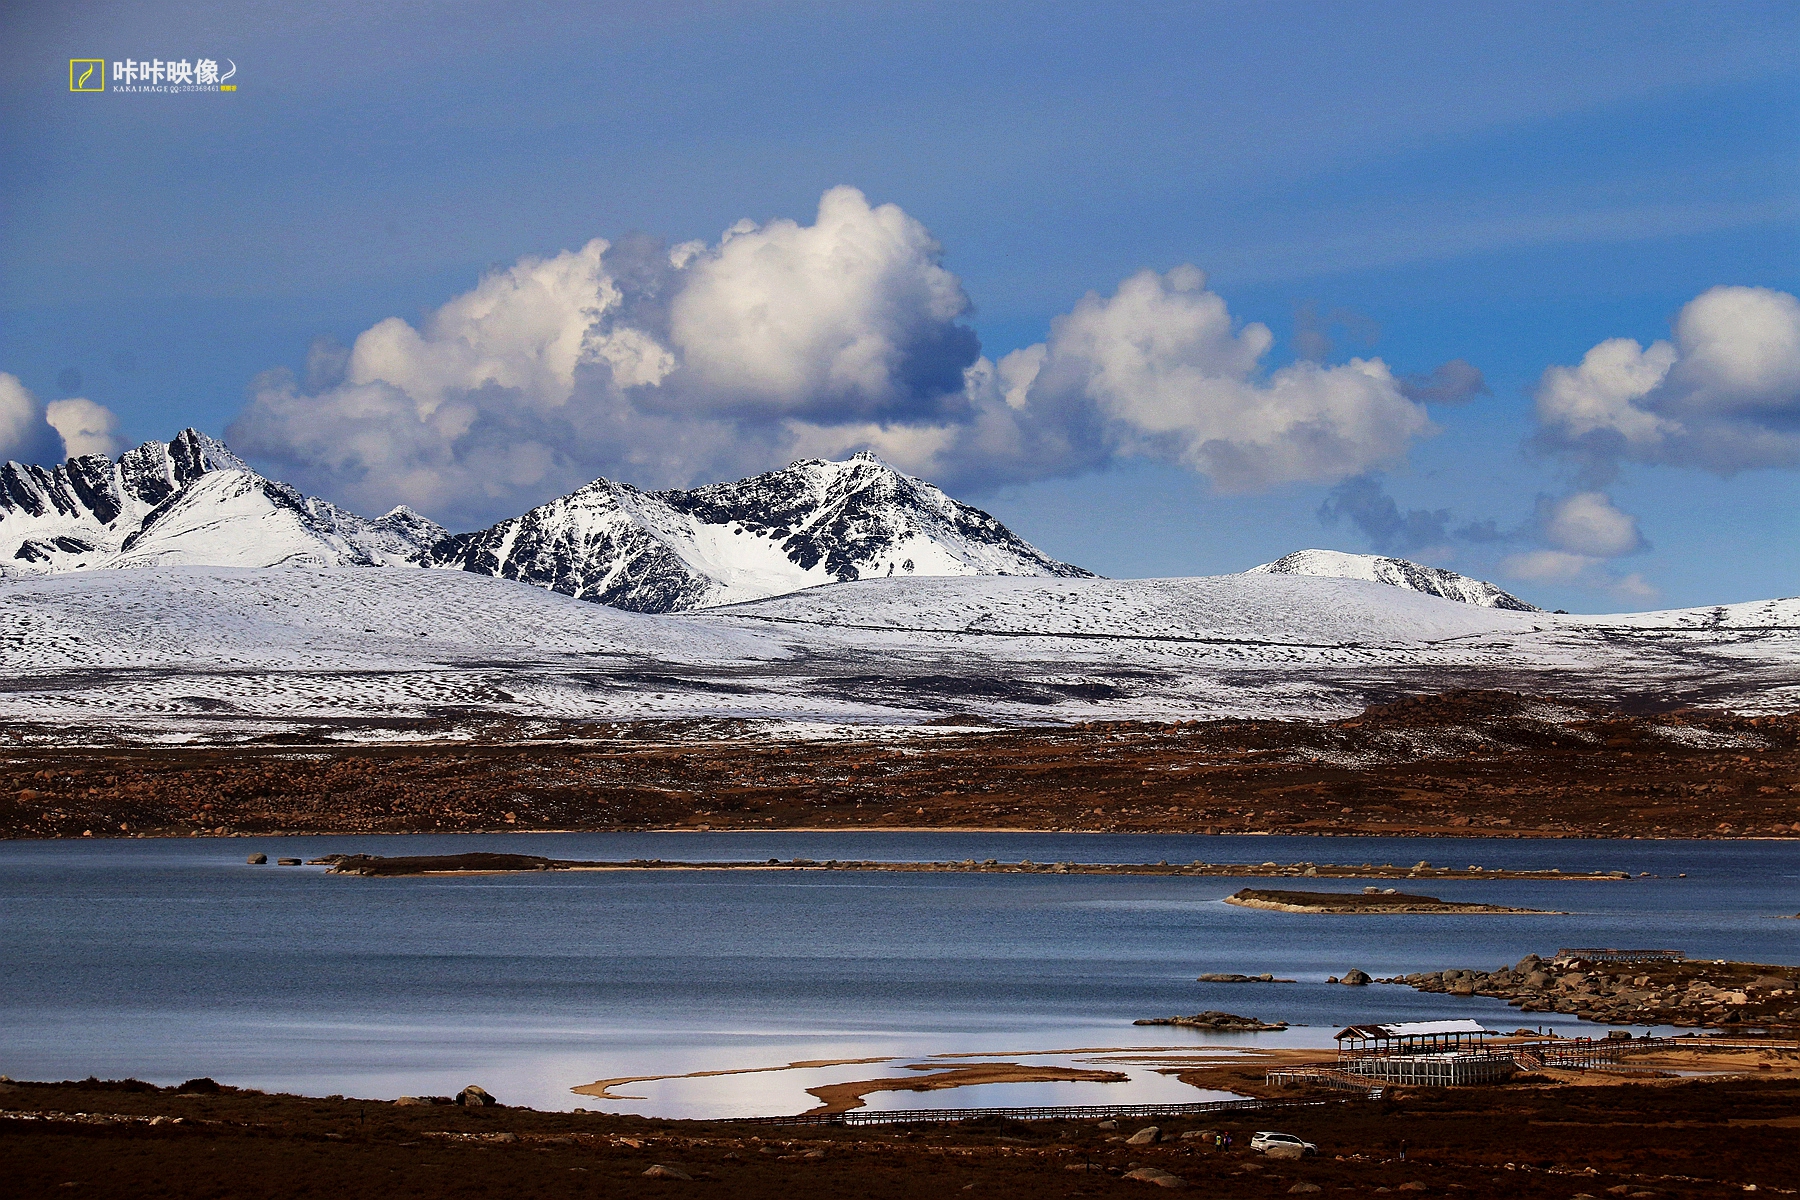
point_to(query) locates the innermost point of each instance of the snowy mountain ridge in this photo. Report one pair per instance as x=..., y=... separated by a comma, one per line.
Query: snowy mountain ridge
x=1396, y=572
x=190, y=501
x=813, y=522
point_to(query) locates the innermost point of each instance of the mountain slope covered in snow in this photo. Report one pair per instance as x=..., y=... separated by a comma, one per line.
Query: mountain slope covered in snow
x=190, y=501
x=207, y=652
x=814, y=522
x=1396, y=572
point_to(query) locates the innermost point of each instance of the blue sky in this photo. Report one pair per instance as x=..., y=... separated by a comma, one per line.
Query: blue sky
x=1506, y=185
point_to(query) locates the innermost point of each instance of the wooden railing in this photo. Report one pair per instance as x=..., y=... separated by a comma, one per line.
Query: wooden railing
x=1325, y=1077
x=1060, y=1112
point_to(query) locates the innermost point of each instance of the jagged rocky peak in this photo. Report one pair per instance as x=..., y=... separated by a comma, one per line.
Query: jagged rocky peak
x=1396, y=572
x=816, y=521
x=187, y=501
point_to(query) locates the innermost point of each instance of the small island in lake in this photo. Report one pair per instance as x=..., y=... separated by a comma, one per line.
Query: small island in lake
x=1221, y=1022
x=1367, y=901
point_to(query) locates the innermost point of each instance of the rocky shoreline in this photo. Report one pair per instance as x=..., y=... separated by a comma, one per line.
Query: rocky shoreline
x=1703, y=994
x=1368, y=901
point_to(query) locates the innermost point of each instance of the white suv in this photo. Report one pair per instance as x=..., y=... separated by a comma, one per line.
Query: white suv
x=1264, y=1141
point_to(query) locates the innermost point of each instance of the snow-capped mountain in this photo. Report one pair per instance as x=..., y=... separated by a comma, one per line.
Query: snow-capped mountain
x=186, y=502
x=1398, y=572
x=812, y=523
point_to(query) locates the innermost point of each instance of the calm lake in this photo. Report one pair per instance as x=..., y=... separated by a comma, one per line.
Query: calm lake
x=167, y=959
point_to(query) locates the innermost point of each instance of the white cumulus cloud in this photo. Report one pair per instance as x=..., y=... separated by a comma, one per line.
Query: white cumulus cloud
x=670, y=367
x=848, y=318
x=1723, y=394
x=1588, y=523
x=1585, y=531
x=1159, y=369
x=1581, y=570
x=85, y=427
x=31, y=433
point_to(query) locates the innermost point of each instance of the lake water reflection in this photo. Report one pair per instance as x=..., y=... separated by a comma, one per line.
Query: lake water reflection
x=170, y=959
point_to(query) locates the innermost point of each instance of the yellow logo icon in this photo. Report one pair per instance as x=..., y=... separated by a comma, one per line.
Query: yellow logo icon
x=87, y=75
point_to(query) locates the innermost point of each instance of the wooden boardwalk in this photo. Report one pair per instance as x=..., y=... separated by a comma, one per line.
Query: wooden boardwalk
x=1062, y=1112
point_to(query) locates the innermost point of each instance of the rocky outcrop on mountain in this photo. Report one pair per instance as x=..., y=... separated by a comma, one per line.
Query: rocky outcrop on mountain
x=814, y=522
x=1395, y=572
x=190, y=501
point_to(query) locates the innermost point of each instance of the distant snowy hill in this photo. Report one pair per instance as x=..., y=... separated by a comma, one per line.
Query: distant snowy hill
x=1397, y=572
x=215, y=653
x=186, y=502
x=812, y=523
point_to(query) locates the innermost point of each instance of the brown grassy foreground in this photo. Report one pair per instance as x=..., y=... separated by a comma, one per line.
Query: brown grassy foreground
x=1695, y=1139
x=1459, y=764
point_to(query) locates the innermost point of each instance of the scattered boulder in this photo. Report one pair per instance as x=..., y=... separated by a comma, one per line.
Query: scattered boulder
x=1284, y=1150
x=287, y=862
x=1146, y=1136
x=410, y=1102
x=257, y=860
x=661, y=1171
x=1301, y=1188
x=475, y=1097
x=1355, y=978
x=1677, y=992
x=1156, y=1175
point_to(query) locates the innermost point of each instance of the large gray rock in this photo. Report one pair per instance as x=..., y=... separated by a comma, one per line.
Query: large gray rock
x=1145, y=1136
x=661, y=1171
x=1355, y=978
x=475, y=1097
x=257, y=860
x=1281, y=1150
